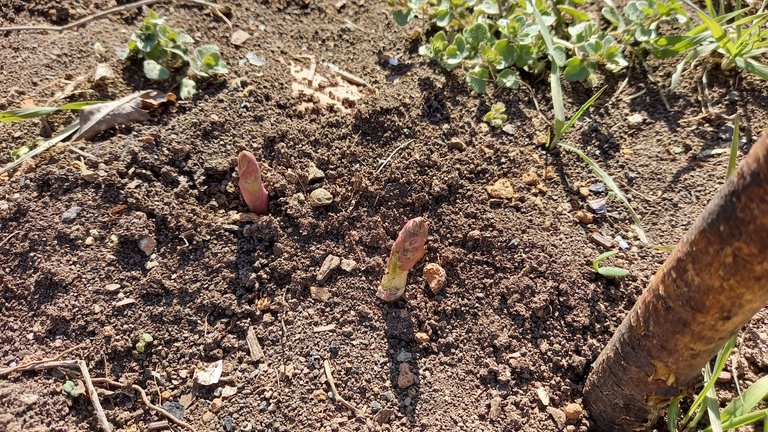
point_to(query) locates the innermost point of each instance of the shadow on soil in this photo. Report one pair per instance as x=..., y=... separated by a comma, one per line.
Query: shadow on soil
x=400, y=338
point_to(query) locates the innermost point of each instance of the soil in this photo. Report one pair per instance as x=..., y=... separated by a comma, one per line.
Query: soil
x=522, y=316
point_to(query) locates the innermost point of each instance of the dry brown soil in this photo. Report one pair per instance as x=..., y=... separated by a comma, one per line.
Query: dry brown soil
x=522, y=309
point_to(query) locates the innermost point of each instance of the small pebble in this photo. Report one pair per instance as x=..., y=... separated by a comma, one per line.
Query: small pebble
x=405, y=378
x=320, y=198
x=228, y=424
x=404, y=356
x=147, y=244
x=597, y=188
x=71, y=214
x=334, y=348
x=375, y=407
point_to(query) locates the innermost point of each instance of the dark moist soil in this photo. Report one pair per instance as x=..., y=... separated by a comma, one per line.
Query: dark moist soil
x=522, y=316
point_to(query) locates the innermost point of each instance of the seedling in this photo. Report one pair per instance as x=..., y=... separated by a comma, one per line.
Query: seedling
x=251, y=184
x=614, y=272
x=144, y=342
x=73, y=389
x=407, y=250
x=166, y=52
x=496, y=117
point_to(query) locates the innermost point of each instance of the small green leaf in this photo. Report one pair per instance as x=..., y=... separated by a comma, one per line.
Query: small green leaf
x=155, y=71
x=506, y=54
x=456, y=52
x=508, y=79
x=206, y=60
x=70, y=388
x=615, y=272
x=444, y=17
x=140, y=346
x=402, y=17
x=575, y=69
x=187, y=88
x=477, y=78
x=147, y=338
x=476, y=35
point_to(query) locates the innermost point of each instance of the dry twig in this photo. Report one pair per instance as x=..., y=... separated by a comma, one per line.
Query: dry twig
x=70, y=364
x=146, y=401
x=31, y=365
x=336, y=395
x=216, y=7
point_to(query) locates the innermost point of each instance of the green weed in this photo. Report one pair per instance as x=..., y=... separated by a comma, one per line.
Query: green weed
x=168, y=53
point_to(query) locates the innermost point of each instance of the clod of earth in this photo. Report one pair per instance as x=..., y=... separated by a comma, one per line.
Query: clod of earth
x=501, y=189
x=584, y=217
x=320, y=198
x=435, y=277
x=319, y=293
x=239, y=37
x=314, y=175
x=330, y=263
x=405, y=378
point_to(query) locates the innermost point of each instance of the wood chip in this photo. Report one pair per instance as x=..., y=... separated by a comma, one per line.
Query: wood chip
x=324, y=328
x=253, y=345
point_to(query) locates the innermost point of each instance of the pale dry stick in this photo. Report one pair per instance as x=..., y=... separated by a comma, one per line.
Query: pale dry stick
x=536, y=102
x=635, y=95
x=121, y=8
x=391, y=155
x=84, y=154
x=336, y=395
x=619, y=90
x=32, y=364
x=72, y=364
x=146, y=401
x=8, y=238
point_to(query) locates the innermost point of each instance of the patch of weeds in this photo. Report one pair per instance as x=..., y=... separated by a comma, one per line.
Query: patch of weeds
x=168, y=53
x=739, y=412
x=144, y=342
x=496, y=117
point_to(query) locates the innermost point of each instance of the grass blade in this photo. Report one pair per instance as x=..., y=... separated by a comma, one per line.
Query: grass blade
x=613, y=187
x=719, y=34
x=734, y=148
x=710, y=400
x=744, y=420
x=59, y=137
x=25, y=113
x=722, y=356
x=673, y=410
x=557, y=97
x=581, y=111
x=748, y=400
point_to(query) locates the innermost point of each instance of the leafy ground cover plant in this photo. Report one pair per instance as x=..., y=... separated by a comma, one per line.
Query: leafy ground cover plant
x=167, y=52
x=495, y=116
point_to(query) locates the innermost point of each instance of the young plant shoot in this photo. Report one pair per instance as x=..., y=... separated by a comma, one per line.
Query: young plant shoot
x=251, y=185
x=407, y=250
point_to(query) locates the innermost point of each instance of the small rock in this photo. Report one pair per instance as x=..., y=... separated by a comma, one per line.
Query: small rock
x=320, y=197
x=348, y=265
x=501, y=189
x=597, y=188
x=319, y=293
x=375, y=407
x=601, y=240
x=732, y=97
x=405, y=378
x=584, y=192
x=635, y=119
x=435, y=277
x=208, y=417
x=495, y=410
x=319, y=395
x=70, y=214
x=329, y=264
x=248, y=427
x=272, y=407
x=530, y=178
x=314, y=175
x=239, y=37
x=255, y=59
x=421, y=337
x=147, y=245
x=334, y=349
x=541, y=392
x=408, y=401
x=174, y=408
x=456, y=144
x=389, y=396
x=724, y=376
x=89, y=240
x=228, y=391
x=228, y=424
x=509, y=129
x=216, y=405
x=573, y=411
x=584, y=217
x=404, y=356
x=263, y=406
x=558, y=416
x=384, y=416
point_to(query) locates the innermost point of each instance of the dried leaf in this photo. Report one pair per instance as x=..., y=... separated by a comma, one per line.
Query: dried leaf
x=211, y=374
x=135, y=107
